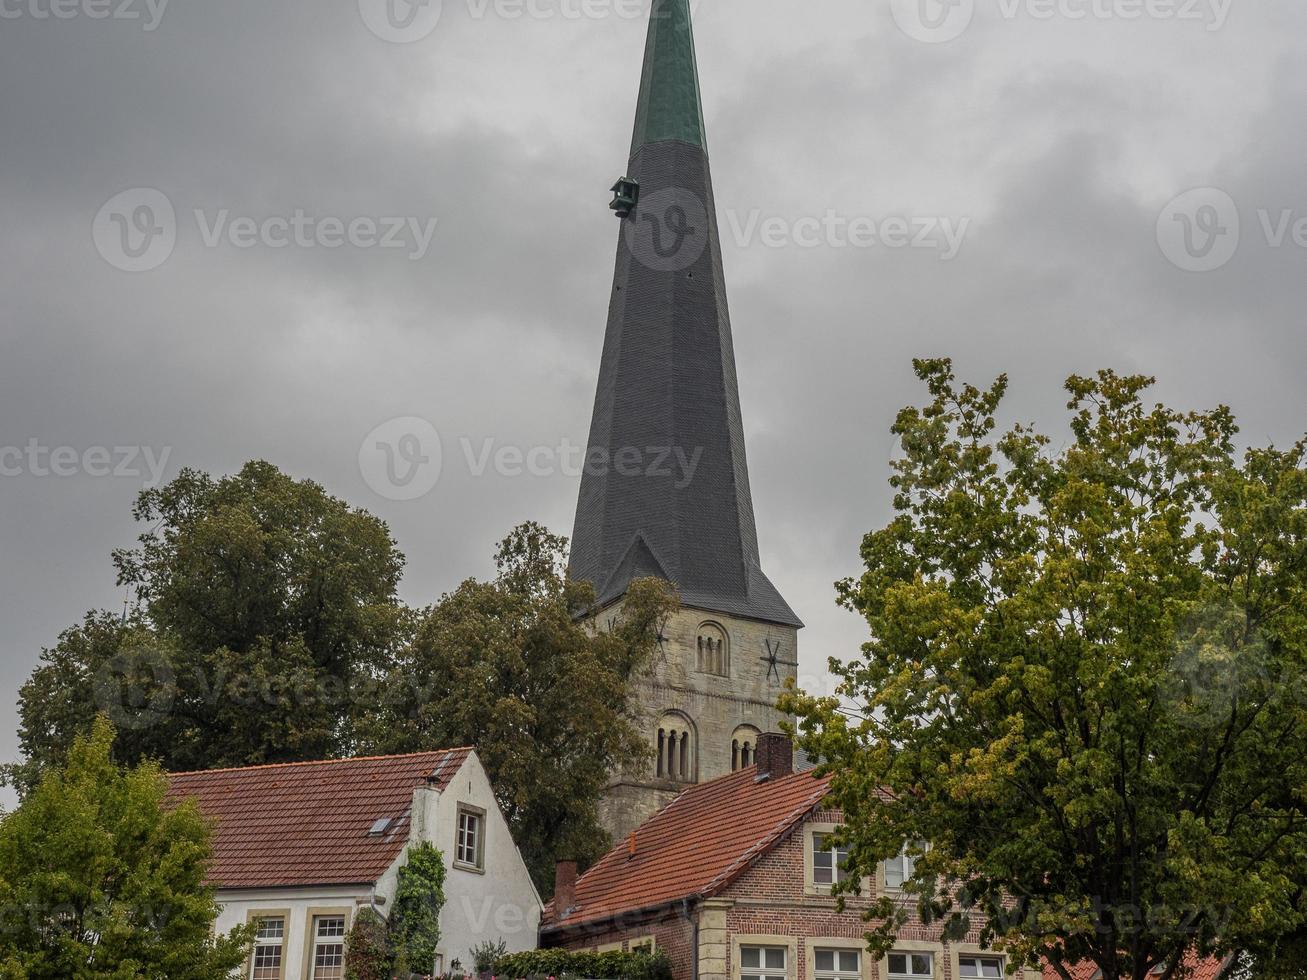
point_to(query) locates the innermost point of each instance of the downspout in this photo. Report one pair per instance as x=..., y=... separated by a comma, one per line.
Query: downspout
x=694, y=944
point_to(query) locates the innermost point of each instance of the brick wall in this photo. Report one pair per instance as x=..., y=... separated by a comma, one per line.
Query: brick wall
x=772, y=899
x=673, y=933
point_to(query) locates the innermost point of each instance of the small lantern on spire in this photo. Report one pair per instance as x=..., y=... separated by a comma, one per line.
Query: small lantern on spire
x=626, y=192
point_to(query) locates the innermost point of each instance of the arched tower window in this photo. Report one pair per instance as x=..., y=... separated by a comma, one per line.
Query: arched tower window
x=744, y=746
x=676, y=749
x=712, y=651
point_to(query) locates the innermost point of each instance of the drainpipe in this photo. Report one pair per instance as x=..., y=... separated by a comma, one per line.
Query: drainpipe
x=694, y=943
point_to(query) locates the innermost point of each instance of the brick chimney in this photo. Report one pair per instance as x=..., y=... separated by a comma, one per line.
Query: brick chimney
x=564, y=887
x=775, y=754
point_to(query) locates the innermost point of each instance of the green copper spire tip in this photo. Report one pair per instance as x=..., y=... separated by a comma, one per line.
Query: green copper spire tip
x=670, y=106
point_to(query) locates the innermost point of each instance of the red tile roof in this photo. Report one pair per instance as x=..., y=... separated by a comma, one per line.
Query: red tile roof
x=695, y=846
x=1208, y=969
x=308, y=823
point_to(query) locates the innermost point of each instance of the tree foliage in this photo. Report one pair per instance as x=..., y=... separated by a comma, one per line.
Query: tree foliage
x=415, y=921
x=264, y=607
x=367, y=948
x=511, y=667
x=560, y=963
x=1085, y=681
x=267, y=629
x=98, y=878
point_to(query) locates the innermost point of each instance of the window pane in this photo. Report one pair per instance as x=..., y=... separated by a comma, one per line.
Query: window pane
x=775, y=958
x=331, y=927
x=894, y=873
x=992, y=968
x=267, y=963
x=271, y=928
x=921, y=964
x=750, y=956
x=898, y=963
x=825, y=959
x=329, y=962
x=849, y=961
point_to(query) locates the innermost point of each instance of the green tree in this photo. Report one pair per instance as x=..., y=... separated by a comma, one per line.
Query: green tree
x=512, y=667
x=98, y=878
x=264, y=607
x=367, y=948
x=1084, y=684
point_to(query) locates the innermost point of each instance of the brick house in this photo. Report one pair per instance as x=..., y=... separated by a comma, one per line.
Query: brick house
x=732, y=880
x=302, y=848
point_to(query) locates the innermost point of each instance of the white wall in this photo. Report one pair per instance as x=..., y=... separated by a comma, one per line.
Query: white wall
x=499, y=904
x=298, y=904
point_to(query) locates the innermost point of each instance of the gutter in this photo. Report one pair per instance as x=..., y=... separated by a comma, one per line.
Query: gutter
x=566, y=927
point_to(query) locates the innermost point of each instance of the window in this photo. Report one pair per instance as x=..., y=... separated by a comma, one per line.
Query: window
x=762, y=963
x=981, y=967
x=645, y=944
x=744, y=747
x=827, y=862
x=329, y=947
x=712, y=655
x=901, y=869
x=838, y=964
x=911, y=966
x=675, y=744
x=469, y=847
x=269, y=945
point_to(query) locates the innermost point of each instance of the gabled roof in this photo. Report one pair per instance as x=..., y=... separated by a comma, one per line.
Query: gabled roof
x=696, y=846
x=309, y=823
x=1207, y=969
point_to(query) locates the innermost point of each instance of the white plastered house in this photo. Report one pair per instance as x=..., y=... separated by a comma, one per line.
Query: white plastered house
x=302, y=848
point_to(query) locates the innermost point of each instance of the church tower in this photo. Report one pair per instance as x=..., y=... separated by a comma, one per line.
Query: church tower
x=665, y=492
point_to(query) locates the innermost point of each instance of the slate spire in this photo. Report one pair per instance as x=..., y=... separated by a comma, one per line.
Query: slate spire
x=666, y=485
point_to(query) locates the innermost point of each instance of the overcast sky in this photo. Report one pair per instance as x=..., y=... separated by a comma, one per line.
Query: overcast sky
x=1050, y=140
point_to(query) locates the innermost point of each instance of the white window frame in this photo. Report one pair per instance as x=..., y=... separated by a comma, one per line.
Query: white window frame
x=763, y=971
x=740, y=942
x=478, y=862
x=318, y=941
x=810, y=886
x=960, y=951
x=903, y=950
x=906, y=868
x=845, y=944
x=257, y=918
x=837, y=972
x=837, y=871
x=976, y=956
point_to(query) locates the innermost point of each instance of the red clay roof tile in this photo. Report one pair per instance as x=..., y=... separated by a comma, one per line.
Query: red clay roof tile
x=307, y=823
x=695, y=846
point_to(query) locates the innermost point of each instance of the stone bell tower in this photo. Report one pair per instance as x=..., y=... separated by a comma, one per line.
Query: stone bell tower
x=665, y=491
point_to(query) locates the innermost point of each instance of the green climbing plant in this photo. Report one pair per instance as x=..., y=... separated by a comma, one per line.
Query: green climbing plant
x=415, y=921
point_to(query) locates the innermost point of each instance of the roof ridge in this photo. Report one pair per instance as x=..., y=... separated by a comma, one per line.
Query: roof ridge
x=320, y=762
